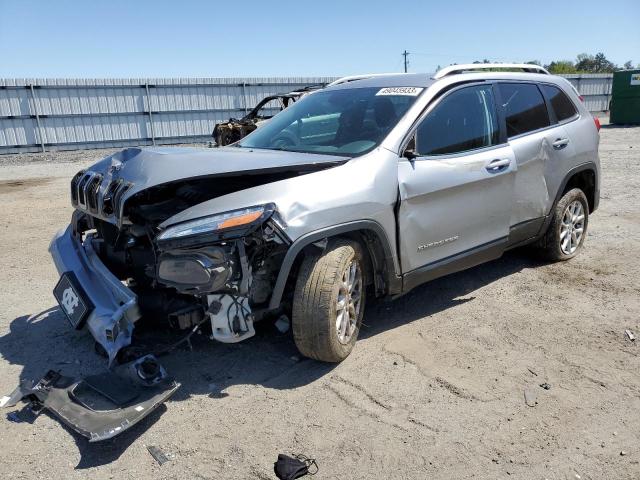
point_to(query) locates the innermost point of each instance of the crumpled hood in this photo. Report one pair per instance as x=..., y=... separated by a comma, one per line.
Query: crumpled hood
x=143, y=168
x=148, y=167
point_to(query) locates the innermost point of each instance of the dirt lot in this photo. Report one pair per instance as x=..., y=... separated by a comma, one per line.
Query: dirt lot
x=434, y=388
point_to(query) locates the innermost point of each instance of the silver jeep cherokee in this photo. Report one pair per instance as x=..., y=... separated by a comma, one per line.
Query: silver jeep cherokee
x=372, y=186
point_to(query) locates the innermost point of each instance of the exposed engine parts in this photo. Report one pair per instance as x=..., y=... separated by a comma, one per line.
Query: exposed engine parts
x=231, y=318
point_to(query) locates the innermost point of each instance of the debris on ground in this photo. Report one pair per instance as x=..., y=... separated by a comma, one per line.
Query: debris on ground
x=102, y=405
x=530, y=397
x=623, y=453
x=630, y=335
x=283, y=324
x=158, y=455
x=14, y=417
x=546, y=386
x=289, y=468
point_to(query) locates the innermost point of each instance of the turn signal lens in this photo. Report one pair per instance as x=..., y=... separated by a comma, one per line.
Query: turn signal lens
x=240, y=220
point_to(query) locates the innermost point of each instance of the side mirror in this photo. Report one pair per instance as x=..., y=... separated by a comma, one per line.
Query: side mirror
x=410, y=150
x=410, y=154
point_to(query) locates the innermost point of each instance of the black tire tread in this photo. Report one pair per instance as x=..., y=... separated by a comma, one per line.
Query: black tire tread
x=313, y=313
x=549, y=244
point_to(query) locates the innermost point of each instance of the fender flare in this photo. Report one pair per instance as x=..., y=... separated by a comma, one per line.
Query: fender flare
x=580, y=168
x=393, y=280
x=577, y=169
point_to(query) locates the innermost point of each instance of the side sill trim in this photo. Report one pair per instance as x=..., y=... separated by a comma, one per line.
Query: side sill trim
x=455, y=263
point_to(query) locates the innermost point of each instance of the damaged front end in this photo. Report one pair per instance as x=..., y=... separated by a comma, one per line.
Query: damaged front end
x=135, y=260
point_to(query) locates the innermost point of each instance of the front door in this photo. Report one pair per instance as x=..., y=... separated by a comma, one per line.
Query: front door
x=456, y=195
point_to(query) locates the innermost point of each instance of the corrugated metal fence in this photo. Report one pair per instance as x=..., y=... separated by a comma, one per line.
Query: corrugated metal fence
x=595, y=88
x=69, y=114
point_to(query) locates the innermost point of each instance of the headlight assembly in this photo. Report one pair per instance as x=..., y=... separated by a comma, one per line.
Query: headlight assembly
x=242, y=219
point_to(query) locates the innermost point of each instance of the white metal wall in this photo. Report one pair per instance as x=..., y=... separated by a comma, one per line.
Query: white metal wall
x=69, y=114
x=595, y=88
x=61, y=114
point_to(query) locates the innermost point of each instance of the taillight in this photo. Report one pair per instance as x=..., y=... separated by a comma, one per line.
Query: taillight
x=596, y=120
x=581, y=98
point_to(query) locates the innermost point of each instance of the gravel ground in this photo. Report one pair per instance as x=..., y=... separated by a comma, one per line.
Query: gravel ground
x=434, y=388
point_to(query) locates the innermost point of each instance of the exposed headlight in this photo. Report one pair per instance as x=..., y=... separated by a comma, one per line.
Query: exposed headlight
x=217, y=223
x=203, y=270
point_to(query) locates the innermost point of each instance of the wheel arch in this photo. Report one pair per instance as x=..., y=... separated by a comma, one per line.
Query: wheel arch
x=584, y=177
x=372, y=237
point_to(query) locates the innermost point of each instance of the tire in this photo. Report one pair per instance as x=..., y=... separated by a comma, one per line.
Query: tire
x=559, y=243
x=316, y=315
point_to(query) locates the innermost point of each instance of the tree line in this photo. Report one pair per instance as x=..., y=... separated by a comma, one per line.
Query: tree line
x=584, y=63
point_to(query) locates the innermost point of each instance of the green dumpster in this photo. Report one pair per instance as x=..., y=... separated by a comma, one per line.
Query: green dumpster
x=625, y=97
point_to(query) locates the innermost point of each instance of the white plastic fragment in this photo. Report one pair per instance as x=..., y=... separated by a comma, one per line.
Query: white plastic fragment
x=630, y=335
x=283, y=324
x=4, y=400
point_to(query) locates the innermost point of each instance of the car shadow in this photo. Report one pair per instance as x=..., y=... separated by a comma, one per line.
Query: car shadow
x=442, y=293
x=45, y=342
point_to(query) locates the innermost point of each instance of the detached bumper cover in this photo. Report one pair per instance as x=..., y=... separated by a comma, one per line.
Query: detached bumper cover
x=101, y=406
x=115, y=305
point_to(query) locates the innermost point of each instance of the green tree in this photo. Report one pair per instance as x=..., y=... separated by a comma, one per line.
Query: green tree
x=562, y=67
x=595, y=64
x=628, y=65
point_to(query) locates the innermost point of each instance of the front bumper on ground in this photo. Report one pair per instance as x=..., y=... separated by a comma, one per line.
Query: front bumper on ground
x=100, y=406
x=115, y=306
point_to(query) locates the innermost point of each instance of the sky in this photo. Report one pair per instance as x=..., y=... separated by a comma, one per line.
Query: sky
x=239, y=38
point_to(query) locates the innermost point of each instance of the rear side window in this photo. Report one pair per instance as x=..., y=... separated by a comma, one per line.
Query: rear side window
x=464, y=120
x=562, y=106
x=524, y=108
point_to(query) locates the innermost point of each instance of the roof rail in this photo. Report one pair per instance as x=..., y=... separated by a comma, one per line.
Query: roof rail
x=454, y=69
x=353, y=78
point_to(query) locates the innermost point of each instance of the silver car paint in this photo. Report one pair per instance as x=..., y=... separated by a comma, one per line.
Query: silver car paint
x=440, y=198
x=148, y=167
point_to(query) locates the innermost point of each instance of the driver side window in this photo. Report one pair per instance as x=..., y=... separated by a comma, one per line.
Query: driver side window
x=464, y=120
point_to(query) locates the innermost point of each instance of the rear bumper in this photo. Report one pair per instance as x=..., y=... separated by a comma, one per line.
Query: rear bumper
x=115, y=305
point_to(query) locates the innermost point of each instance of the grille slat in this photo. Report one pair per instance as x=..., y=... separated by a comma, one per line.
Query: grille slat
x=108, y=205
x=89, y=194
x=92, y=190
x=82, y=197
x=74, y=187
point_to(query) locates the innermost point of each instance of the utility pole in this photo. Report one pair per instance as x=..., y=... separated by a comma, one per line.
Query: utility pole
x=405, y=54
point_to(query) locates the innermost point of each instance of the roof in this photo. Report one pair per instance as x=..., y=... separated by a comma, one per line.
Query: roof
x=391, y=80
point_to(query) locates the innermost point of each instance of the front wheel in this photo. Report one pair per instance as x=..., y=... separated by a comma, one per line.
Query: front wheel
x=568, y=229
x=329, y=302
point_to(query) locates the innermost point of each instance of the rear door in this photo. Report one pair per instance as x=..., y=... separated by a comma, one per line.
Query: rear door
x=539, y=145
x=456, y=195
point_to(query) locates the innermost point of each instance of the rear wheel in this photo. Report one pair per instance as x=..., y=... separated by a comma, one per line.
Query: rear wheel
x=568, y=229
x=329, y=302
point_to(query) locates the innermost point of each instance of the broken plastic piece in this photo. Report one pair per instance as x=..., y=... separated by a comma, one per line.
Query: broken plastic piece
x=283, y=324
x=630, y=335
x=530, y=397
x=103, y=405
x=158, y=455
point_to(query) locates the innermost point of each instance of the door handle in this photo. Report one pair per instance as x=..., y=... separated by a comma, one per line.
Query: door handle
x=560, y=143
x=498, y=165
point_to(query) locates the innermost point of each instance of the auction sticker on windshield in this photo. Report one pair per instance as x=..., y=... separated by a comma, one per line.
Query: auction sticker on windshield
x=410, y=91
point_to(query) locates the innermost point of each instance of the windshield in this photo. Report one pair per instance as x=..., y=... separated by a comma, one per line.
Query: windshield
x=341, y=122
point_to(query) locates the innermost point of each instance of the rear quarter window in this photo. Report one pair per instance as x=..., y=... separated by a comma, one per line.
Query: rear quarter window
x=561, y=104
x=524, y=107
